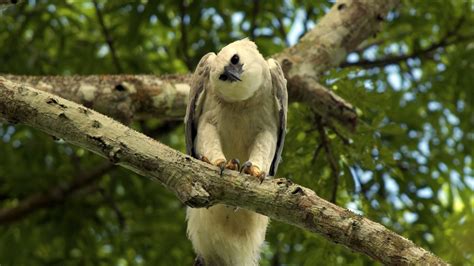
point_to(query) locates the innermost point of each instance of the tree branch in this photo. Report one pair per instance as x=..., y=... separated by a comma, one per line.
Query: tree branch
x=52, y=196
x=341, y=30
x=123, y=97
x=198, y=184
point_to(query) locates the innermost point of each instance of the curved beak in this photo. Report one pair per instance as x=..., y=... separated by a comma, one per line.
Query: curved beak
x=232, y=73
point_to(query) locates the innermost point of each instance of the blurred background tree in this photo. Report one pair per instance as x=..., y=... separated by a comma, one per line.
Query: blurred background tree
x=408, y=166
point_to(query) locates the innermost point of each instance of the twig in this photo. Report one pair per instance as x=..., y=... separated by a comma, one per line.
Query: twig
x=255, y=11
x=109, y=199
x=391, y=60
x=52, y=196
x=309, y=12
x=317, y=151
x=330, y=157
x=343, y=138
x=281, y=29
x=366, y=45
x=108, y=37
x=184, y=35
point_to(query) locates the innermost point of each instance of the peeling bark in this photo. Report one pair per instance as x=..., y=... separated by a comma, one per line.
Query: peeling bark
x=198, y=184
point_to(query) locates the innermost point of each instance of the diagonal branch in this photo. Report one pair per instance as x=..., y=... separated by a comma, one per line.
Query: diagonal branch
x=52, y=196
x=198, y=184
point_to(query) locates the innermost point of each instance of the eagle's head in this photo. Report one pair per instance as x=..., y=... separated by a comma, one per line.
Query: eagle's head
x=238, y=71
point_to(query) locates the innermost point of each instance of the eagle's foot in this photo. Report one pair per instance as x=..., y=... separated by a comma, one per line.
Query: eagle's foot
x=204, y=158
x=219, y=163
x=233, y=164
x=253, y=170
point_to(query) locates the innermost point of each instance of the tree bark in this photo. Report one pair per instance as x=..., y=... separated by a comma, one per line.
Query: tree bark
x=123, y=97
x=198, y=184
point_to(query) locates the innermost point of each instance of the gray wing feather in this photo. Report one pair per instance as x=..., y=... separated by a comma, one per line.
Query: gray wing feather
x=199, y=82
x=279, y=89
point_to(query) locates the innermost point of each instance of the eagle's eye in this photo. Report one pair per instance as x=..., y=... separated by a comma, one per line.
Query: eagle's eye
x=235, y=59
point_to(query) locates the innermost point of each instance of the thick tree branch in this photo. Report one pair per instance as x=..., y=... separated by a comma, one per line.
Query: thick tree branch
x=341, y=30
x=198, y=184
x=123, y=97
x=52, y=196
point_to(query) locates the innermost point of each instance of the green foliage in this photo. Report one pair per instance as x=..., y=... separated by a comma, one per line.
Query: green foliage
x=408, y=165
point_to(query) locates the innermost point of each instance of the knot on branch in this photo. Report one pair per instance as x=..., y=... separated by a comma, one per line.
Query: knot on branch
x=196, y=196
